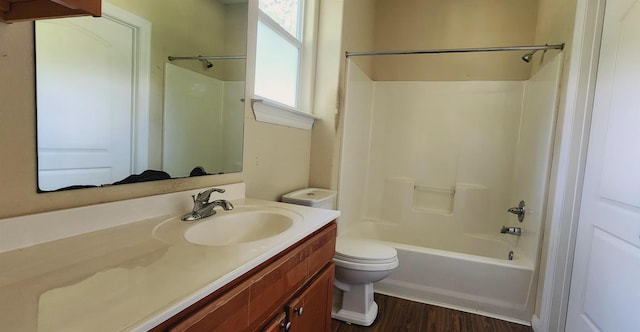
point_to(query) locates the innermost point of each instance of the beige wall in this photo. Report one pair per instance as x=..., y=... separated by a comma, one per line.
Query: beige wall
x=235, y=42
x=343, y=26
x=358, y=31
x=554, y=26
x=430, y=24
x=418, y=24
x=276, y=159
x=195, y=28
x=323, y=166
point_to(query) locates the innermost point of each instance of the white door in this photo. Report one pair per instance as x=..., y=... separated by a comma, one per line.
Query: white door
x=605, y=282
x=84, y=105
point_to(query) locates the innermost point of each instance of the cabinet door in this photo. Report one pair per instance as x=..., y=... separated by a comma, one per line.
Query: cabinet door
x=311, y=310
x=278, y=324
x=230, y=312
x=271, y=290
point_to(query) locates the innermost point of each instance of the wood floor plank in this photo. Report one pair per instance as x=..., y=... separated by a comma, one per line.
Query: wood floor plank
x=399, y=315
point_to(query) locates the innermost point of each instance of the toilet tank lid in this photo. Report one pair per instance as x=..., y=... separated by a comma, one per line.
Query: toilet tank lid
x=309, y=196
x=361, y=249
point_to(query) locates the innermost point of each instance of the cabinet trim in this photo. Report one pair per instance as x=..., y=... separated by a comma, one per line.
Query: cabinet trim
x=29, y=10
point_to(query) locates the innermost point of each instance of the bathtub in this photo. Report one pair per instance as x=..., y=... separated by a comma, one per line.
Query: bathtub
x=468, y=272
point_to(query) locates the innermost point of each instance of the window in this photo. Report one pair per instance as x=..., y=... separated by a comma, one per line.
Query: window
x=284, y=57
x=279, y=51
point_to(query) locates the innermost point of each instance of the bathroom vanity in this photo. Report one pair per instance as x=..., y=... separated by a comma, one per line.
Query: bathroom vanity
x=292, y=292
x=130, y=266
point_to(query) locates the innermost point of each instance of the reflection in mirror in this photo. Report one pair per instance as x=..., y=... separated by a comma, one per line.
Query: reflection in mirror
x=111, y=109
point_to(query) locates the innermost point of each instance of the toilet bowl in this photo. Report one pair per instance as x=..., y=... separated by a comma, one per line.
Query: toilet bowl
x=359, y=263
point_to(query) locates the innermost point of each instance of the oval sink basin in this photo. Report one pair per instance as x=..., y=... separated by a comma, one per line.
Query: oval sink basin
x=238, y=227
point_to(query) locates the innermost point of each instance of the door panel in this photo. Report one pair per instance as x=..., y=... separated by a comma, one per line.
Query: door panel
x=605, y=291
x=613, y=288
x=311, y=310
x=621, y=159
x=68, y=49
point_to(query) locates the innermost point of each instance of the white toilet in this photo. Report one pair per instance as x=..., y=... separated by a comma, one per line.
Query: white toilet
x=359, y=263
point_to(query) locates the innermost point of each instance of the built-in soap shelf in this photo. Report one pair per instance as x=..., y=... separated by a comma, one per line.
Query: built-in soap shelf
x=433, y=199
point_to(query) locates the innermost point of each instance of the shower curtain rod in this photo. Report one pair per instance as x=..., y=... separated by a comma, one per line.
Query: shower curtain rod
x=208, y=57
x=461, y=50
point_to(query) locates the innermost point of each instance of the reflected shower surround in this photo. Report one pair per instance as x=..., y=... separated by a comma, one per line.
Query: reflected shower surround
x=202, y=116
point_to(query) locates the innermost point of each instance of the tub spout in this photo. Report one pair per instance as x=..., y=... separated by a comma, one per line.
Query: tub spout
x=511, y=230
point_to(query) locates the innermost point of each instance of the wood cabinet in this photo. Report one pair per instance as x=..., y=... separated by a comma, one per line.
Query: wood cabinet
x=291, y=292
x=280, y=323
x=29, y=10
x=311, y=310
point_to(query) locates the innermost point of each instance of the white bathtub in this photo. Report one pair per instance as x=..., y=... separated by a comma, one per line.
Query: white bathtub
x=469, y=272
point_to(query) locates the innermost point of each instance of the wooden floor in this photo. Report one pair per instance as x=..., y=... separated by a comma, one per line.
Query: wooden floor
x=396, y=315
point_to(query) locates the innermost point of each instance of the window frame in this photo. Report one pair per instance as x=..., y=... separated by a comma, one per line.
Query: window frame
x=273, y=111
x=297, y=42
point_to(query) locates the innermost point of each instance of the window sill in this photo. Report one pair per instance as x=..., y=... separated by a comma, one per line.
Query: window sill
x=278, y=114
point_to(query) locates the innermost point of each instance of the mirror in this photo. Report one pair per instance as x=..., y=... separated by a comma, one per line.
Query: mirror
x=112, y=108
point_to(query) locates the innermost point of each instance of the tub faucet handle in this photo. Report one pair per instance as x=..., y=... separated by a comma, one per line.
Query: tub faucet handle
x=515, y=210
x=518, y=210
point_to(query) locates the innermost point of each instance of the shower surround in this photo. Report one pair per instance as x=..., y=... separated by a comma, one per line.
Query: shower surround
x=431, y=168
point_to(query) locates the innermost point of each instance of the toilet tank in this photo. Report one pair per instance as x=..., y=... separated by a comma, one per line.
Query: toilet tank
x=314, y=197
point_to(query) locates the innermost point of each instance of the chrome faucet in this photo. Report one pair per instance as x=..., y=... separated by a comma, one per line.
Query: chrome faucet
x=202, y=208
x=517, y=231
x=518, y=211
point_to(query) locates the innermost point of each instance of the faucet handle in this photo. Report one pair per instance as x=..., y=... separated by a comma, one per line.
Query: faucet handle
x=226, y=205
x=203, y=196
x=518, y=210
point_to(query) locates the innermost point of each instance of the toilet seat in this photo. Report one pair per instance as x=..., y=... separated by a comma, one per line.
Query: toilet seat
x=360, y=254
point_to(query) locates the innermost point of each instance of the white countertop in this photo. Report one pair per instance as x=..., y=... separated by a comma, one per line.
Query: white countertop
x=126, y=278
